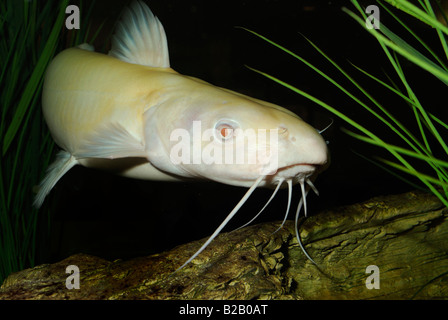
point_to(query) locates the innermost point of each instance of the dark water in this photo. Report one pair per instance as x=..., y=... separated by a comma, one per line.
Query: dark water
x=115, y=217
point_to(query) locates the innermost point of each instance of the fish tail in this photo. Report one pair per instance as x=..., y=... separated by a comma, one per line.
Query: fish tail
x=64, y=162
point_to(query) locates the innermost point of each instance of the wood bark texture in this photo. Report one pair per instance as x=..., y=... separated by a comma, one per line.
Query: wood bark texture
x=404, y=237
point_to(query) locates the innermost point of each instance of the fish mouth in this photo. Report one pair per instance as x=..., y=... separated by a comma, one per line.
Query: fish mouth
x=296, y=171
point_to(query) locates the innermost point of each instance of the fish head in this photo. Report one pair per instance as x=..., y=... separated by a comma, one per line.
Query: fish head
x=233, y=141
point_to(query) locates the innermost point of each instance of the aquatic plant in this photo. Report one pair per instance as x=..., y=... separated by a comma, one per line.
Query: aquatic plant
x=427, y=146
x=31, y=32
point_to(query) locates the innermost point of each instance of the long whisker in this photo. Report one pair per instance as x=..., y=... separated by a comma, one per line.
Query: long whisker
x=226, y=220
x=272, y=197
x=311, y=184
x=321, y=131
x=289, y=204
x=304, y=194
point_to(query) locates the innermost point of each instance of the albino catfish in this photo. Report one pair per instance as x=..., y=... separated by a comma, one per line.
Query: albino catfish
x=130, y=110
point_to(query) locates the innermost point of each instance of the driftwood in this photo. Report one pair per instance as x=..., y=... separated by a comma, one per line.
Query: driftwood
x=403, y=238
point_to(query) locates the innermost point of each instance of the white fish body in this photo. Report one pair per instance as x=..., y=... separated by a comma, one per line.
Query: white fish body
x=118, y=111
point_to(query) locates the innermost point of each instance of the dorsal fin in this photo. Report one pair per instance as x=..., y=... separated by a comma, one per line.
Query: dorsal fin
x=140, y=38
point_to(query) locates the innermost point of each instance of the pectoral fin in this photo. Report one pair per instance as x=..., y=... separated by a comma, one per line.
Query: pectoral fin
x=111, y=142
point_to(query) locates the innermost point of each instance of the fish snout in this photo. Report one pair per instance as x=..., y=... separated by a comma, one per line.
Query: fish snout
x=301, y=153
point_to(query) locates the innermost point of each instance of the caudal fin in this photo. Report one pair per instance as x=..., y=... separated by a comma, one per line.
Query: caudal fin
x=64, y=162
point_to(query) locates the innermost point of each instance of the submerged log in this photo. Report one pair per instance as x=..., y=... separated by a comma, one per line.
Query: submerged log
x=392, y=247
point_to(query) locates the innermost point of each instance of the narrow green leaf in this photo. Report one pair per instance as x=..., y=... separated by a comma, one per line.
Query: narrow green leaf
x=32, y=84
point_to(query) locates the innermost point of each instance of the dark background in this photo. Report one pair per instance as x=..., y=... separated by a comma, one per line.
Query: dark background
x=114, y=217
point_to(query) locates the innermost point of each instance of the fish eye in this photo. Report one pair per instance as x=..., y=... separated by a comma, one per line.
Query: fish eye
x=225, y=129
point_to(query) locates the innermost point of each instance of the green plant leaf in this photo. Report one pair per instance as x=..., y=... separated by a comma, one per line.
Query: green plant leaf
x=415, y=150
x=31, y=87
